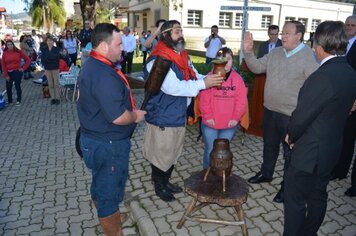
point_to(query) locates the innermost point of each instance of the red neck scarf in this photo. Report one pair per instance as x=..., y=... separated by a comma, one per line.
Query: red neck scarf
x=181, y=60
x=104, y=60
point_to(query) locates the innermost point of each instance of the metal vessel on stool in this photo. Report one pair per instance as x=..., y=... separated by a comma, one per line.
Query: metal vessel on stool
x=217, y=185
x=220, y=160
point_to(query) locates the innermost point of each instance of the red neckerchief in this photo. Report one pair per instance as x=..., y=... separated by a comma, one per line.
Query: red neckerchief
x=181, y=60
x=104, y=60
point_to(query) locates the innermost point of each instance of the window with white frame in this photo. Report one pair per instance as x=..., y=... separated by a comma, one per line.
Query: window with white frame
x=266, y=21
x=289, y=18
x=304, y=21
x=238, y=19
x=225, y=19
x=314, y=24
x=194, y=18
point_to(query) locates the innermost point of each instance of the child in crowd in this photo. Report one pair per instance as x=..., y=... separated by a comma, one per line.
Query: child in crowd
x=65, y=56
x=64, y=61
x=33, y=57
x=222, y=107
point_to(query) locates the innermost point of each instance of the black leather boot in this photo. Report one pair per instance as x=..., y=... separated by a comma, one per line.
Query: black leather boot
x=279, y=198
x=174, y=188
x=159, y=179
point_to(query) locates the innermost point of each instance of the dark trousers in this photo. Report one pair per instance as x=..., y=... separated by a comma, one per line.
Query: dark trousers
x=73, y=58
x=343, y=165
x=274, y=132
x=305, y=202
x=127, y=60
x=15, y=76
x=144, y=54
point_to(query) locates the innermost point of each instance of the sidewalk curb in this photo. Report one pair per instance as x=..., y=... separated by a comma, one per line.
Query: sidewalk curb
x=144, y=222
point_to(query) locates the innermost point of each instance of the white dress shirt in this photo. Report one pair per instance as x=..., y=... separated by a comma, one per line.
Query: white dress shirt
x=183, y=88
x=128, y=42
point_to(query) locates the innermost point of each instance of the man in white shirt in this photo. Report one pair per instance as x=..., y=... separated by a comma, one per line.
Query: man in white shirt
x=36, y=40
x=129, y=44
x=212, y=44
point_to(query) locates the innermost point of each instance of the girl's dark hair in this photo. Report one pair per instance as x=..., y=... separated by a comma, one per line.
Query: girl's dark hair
x=223, y=51
x=71, y=34
x=12, y=42
x=103, y=32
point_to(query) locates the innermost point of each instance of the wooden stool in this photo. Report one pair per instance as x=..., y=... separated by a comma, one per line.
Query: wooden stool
x=211, y=192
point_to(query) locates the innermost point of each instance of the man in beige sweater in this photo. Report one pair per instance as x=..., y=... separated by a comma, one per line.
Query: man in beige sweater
x=287, y=68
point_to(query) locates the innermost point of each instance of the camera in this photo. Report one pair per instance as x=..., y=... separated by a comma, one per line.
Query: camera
x=212, y=35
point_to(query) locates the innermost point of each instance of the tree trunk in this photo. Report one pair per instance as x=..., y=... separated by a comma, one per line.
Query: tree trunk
x=88, y=8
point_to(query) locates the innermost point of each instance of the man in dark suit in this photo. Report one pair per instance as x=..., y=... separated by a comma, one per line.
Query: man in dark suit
x=343, y=165
x=271, y=43
x=315, y=131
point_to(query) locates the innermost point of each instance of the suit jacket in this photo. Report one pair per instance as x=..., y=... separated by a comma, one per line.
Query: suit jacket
x=263, y=50
x=351, y=55
x=317, y=124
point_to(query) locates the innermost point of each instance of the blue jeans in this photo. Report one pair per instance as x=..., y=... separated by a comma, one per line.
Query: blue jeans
x=15, y=76
x=209, y=135
x=109, y=163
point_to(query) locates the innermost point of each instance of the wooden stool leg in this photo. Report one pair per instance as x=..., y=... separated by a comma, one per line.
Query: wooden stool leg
x=240, y=215
x=187, y=212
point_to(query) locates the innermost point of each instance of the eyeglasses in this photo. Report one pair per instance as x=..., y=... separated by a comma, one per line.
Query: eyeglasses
x=287, y=34
x=273, y=34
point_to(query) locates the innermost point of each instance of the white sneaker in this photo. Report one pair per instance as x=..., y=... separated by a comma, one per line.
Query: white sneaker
x=37, y=81
x=18, y=104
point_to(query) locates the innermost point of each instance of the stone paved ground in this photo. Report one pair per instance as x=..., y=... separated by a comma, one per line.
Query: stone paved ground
x=44, y=185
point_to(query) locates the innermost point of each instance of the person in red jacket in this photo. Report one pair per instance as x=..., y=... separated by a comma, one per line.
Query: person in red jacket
x=222, y=107
x=12, y=69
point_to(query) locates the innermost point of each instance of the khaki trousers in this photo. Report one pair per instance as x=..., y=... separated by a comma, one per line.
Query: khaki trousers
x=53, y=83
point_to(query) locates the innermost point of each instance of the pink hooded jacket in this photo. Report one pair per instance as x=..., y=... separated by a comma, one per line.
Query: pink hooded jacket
x=225, y=103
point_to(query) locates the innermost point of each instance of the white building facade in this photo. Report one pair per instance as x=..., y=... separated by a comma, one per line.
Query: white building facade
x=197, y=16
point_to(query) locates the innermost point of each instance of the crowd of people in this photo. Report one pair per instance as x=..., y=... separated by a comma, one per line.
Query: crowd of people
x=309, y=97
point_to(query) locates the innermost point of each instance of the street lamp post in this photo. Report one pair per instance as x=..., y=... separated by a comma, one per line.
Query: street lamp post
x=243, y=30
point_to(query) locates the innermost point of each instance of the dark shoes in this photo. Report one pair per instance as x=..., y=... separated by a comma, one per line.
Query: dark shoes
x=173, y=188
x=279, y=198
x=55, y=101
x=163, y=193
x=258, y=178
x=351, y=192
x=334, y=177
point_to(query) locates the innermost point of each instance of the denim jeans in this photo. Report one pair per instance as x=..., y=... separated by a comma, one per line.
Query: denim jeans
x=15, y=76
x=209, y=135
x=109, y=163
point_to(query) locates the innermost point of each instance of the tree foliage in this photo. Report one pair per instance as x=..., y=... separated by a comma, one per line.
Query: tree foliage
x=45, y=13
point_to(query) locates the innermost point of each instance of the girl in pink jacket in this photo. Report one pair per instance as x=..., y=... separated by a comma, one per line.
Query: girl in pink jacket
x=222, y=108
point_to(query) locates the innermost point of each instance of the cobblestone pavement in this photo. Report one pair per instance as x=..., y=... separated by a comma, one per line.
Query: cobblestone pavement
x=44, y=185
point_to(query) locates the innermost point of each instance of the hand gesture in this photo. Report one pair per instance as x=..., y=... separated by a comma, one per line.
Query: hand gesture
x=353, y=107
x=213, y=80
x=158, y=30
x=211, y=122
x=140, y=115
x=248, y=42
x=232, y=123
x=286, y=139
